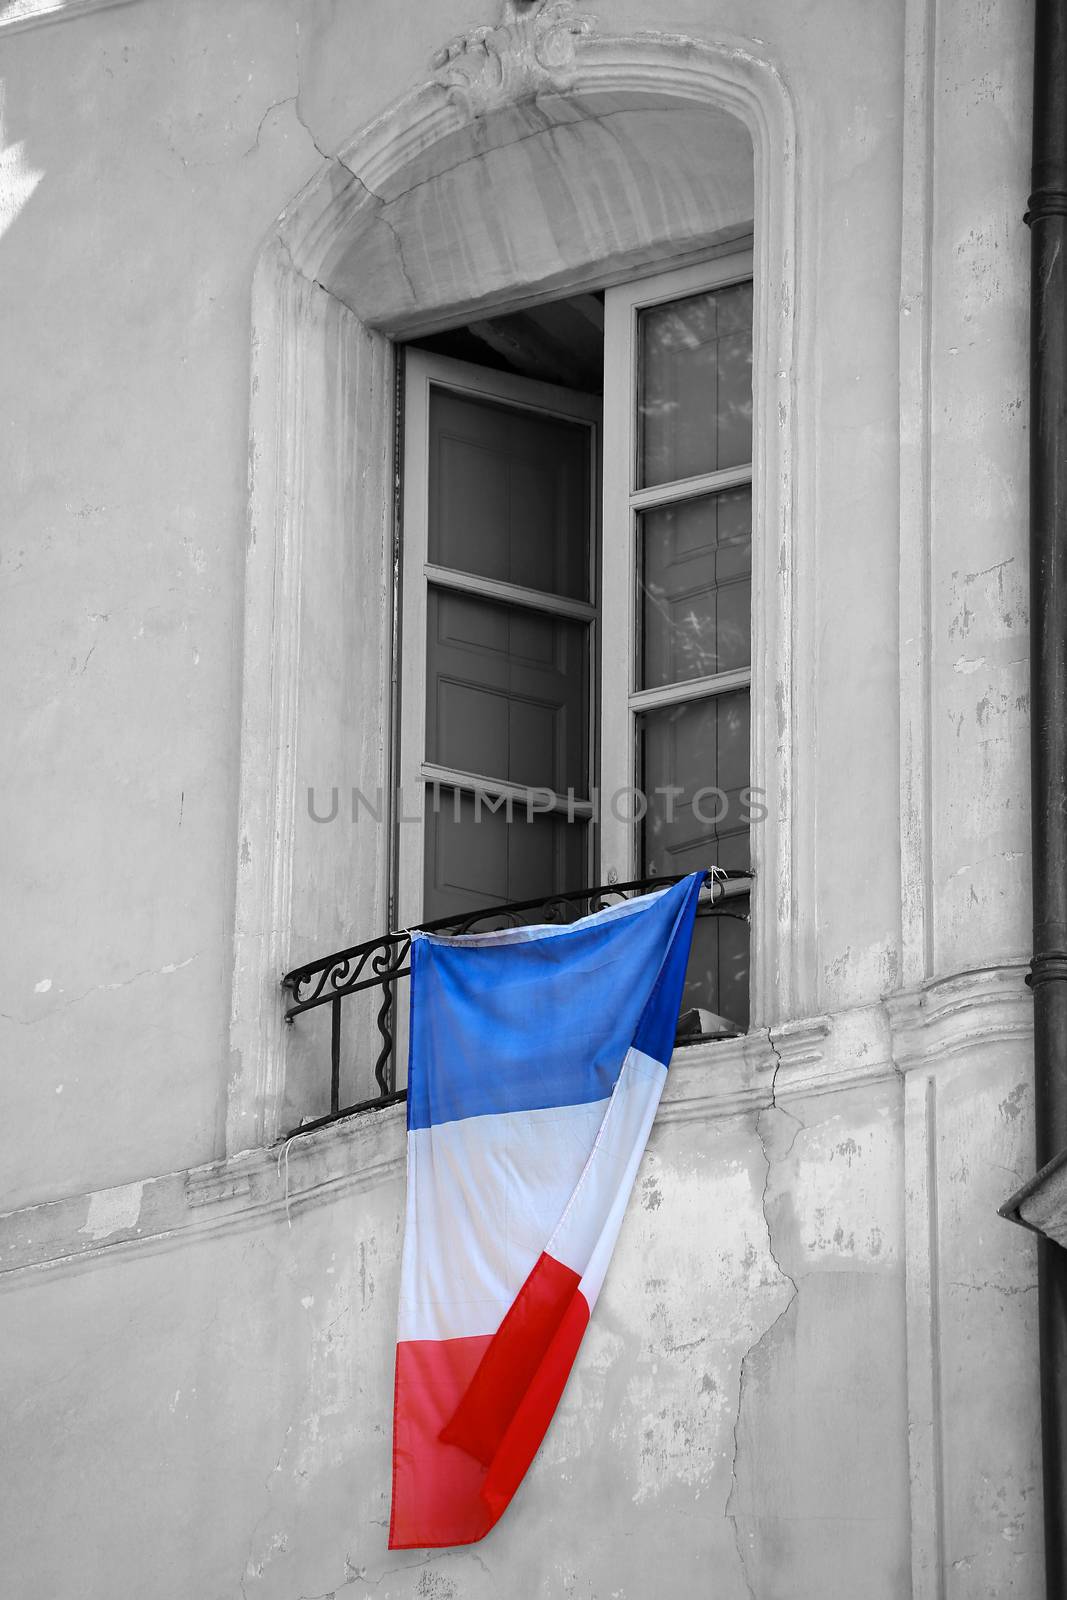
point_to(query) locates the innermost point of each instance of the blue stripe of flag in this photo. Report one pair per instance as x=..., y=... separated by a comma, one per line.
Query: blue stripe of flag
x=548, y=1020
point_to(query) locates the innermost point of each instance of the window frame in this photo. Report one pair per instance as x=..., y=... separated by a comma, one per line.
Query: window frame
x=422, y=371
x=614, y=844
x=623, y=501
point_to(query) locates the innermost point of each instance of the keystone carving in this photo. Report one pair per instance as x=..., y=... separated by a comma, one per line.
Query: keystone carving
x=531, y=49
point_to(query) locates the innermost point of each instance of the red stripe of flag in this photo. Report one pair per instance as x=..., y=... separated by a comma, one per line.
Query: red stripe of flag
x=506, y=1410
x=436, y=1486
x=470, y=1414
x=536, y=1409
x=510, y=1364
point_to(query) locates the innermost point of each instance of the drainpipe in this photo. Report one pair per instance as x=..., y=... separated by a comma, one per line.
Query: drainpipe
x=1047, y=217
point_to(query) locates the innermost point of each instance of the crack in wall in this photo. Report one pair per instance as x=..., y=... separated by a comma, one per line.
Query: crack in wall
x=550, y=126
x=788, y=1277
x=275, y=105
x=300, y=118
x=335, y=160
x=401, y=263
x=383, y=205
x=354, y=1574
x=99, y=988
x=250, y=1569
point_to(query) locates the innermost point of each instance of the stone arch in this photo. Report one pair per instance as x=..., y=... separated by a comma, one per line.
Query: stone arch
x=539, y=157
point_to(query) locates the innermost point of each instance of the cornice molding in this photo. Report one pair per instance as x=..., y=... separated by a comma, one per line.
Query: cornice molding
x=809, y=1058
x=940, y=1020
x=34, y=13
x=245, y=1191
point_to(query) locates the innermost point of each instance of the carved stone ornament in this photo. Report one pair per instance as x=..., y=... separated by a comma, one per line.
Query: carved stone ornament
x=531, y=49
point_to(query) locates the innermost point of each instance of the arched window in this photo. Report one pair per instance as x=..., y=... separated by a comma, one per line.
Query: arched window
x=537, y=168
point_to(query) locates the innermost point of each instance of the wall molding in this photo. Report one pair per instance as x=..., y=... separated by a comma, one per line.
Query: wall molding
x=934, y=1027
x=798, y=1063
x=916, y=872
x=18, y=14
x=254, y=1189
x=940, y=1020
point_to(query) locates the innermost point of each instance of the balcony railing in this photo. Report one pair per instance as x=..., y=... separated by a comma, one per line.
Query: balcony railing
x=382, y=962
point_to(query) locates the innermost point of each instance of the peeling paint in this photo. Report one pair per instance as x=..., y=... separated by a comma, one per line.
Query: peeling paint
x=112, y=1210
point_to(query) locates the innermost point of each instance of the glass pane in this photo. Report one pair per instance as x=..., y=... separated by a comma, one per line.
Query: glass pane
x=696, y=588
x=694, y=766
x=718, y=976
x=510, y=494
x=507, y=692
x=694, y=400
x=479, y=853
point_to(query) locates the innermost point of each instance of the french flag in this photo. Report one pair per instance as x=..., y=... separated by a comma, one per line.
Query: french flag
x=538, y=1057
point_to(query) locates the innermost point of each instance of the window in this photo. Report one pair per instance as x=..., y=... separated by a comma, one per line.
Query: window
x=700, y=153
x=575, y=703
x=677, y=596
x=500, y=617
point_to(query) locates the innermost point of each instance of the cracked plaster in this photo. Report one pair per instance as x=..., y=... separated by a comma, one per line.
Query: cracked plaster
x=768, y=1332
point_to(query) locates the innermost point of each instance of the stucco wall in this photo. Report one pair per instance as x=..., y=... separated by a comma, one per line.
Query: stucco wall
x=813, y=1368
x=201, y=1367
x=157, y=165
x=252, y=1371
x=154, y=144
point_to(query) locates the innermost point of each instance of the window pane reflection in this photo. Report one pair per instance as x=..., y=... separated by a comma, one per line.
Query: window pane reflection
x=695, y=385
x=717, y=978
x=696, y=588
x=694, y=767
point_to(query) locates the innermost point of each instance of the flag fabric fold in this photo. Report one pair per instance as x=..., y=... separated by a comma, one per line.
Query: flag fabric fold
x=538, y=1057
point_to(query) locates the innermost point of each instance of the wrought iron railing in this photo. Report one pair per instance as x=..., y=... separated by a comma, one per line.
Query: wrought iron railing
x=380, y=964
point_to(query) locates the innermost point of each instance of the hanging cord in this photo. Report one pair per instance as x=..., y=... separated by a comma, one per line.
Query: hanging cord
x=284, y=1152
x=717, y=875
